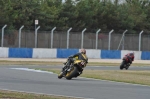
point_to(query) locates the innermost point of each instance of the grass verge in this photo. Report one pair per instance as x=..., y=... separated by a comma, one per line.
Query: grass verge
x=61, y=63
x=128, y=76
x=4, y=94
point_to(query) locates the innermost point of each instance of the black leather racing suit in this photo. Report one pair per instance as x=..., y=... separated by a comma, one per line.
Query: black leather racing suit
x=79, y=56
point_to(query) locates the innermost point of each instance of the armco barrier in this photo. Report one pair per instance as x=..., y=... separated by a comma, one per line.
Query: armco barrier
x=44, y=53
x=93, y=53
x=145, y=55
x=4, y=52
x=20, y=52
x=64, y=53
x=110, y=54
x=137, y=54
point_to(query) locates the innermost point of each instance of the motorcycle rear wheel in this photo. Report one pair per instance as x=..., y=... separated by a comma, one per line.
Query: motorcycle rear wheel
x=71, y=73
x=127, y=67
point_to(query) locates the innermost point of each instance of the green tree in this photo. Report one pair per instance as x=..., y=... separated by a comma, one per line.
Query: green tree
x=78, y=14
x=136, y=15
x=48, y=14
x=87, y=17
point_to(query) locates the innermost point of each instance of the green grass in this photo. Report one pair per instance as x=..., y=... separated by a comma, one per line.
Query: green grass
x=4, y=94
x=114, y=64
x=60, y=63
x=128, y=76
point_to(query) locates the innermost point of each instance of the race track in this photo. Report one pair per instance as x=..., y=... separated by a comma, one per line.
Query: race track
x=19, y=78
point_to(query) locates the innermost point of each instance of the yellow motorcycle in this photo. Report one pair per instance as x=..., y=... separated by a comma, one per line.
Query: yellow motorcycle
x=74, y=70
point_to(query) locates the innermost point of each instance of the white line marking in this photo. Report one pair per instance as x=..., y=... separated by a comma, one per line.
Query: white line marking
x=33, y=70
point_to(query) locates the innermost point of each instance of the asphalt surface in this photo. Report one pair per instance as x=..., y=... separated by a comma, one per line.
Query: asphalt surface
x=19, y=78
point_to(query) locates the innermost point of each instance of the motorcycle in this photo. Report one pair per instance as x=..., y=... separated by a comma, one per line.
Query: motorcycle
x=72, y=71
x=125, y=63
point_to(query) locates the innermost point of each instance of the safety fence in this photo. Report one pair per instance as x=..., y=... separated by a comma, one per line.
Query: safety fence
x=67, y=39
x=64, y=53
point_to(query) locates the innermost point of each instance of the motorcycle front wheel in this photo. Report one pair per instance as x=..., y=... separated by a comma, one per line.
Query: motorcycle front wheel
x=60, y=75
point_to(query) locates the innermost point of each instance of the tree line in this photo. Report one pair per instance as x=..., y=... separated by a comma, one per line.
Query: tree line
x=79, y=14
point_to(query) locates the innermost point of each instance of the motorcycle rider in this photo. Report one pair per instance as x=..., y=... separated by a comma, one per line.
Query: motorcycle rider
x=69, y=64
x=130, y=57
x=79, y=56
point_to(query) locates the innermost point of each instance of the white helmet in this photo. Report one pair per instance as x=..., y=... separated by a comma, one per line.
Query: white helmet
x=133, y=53
x=83, y=51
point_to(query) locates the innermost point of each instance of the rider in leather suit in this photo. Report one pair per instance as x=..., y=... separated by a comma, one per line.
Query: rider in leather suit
x=80, y=56
x=130, y=57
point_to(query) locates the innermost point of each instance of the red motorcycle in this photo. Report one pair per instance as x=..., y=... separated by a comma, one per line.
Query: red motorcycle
x=125, y=63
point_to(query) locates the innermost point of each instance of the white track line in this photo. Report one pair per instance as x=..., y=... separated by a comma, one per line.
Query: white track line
x=32, y=70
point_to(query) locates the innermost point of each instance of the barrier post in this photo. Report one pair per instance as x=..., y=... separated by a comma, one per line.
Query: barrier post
x=109, y=39
x=52, y=32
x=122, y=40
x=140, y=40
x=36, y=36
x=97, y=37
x=68, y=32
x=20, y=35
x=3, y=35
x=82, y=37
